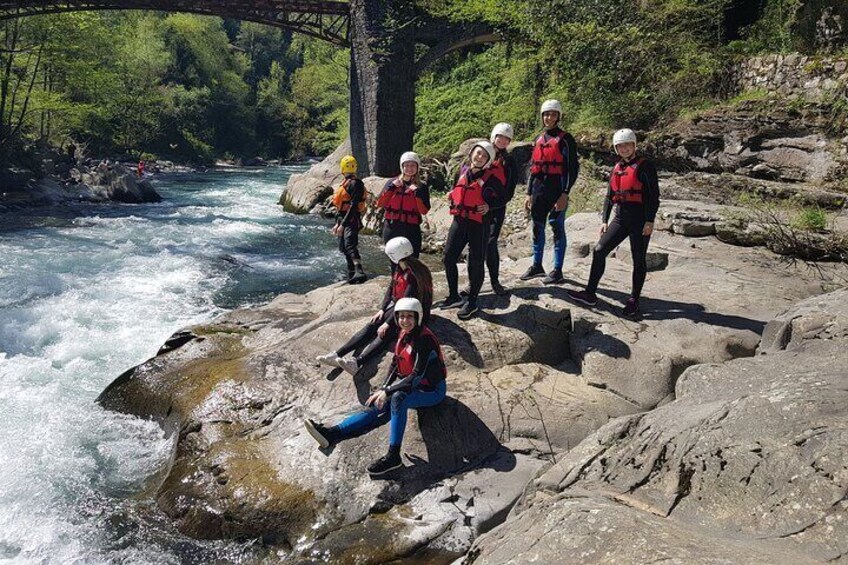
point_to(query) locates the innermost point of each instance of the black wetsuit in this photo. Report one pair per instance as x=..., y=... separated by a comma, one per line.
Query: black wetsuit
x=368, y=337
x=629, y=221
x=498, y=215
x=351, y=223
x=464, y=231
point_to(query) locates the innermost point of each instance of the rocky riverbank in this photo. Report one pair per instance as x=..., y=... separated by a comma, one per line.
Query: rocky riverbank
x=709, y=431
x=64, y=181
x=530, y=380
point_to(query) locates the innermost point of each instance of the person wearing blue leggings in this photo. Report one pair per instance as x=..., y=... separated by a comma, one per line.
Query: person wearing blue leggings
x=415, y=380
x=553, y=172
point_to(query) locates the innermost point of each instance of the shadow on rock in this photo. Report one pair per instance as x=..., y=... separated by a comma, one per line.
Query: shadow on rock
x=661, y=309
x=454, y=335
x=548, y=329
x=456, y=440
x=652, y=308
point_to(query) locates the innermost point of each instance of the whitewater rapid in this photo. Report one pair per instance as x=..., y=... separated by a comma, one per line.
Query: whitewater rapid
x=88, y=291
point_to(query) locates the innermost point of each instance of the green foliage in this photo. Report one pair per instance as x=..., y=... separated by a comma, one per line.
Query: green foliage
x=612, y=63
x=316, y=109
x=810, y=219
x=465, y=96
x=192, y=87
x=773, y=31
x=178, y=85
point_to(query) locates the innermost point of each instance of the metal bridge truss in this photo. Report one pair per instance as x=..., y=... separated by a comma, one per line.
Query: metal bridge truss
x=328, y=20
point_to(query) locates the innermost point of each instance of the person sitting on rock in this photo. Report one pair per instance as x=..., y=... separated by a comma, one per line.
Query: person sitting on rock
x=405, y=200
x=634, y=192
x=478, y=189
x=411, y=279
x=416, y=379
x=553, y=171
x=504, y=168
x=349, y=200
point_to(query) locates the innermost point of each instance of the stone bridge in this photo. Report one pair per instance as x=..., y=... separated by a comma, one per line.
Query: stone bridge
x=382, y=36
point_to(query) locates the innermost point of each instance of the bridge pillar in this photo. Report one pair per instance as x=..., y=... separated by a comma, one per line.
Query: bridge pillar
x=382, y=84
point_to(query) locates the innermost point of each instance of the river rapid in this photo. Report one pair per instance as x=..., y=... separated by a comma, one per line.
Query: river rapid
x=88, y=291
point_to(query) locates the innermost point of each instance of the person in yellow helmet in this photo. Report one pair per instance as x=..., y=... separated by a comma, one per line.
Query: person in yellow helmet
x=349, y=200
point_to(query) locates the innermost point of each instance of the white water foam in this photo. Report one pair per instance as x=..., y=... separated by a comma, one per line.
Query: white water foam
x=83, y=300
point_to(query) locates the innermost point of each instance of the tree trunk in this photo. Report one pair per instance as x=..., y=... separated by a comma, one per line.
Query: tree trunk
x=22, y=118
x=11, y=45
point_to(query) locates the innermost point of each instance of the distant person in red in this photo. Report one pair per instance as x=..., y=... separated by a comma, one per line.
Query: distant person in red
x=140, y=168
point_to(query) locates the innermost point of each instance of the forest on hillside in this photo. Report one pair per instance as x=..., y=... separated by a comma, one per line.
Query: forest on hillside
x=195, y=88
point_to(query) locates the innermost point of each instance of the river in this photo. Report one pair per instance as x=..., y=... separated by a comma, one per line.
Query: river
x=87, y=291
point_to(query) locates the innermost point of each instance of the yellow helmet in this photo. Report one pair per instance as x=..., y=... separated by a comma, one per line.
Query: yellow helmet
x=348, y=165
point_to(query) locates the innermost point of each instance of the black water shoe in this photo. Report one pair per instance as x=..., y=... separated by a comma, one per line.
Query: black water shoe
x=533, y=272
x=499, y=289
x=631, y=308
x=467, y=311
x=322, y=434
x=451, y=302
x=358, y=276
x=385, y=464
x=582, y=297
x=554, y=277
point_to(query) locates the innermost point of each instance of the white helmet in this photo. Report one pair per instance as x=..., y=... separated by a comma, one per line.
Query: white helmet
x=398, y=248
x=625, y=135
x=410, y=156
x=410, y=305
x=490, y=149
x=551, y=104
x=503, y=129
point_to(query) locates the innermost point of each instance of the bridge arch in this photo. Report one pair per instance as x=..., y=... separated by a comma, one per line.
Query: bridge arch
x=383, y=67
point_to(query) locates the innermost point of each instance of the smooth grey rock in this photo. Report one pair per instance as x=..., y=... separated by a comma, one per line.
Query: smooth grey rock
x=587, y=528
x=822, y=317
x=692, y=228
x=305, y=190
x=752, y=450
x=657, y=260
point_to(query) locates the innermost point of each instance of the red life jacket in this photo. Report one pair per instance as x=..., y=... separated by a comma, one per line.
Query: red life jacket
x=405, y=357
x=466, y=196
x=403, y=206
x=547, y=157
x=400, y=282
x=625, y=183
x=498, y=171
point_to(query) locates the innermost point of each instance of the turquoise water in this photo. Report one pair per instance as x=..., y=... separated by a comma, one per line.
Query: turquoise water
x=87, y=291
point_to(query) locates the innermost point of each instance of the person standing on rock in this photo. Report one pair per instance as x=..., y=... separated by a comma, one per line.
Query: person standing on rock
x=349, y=200
x=416, y=379
x=634, y=193
x=553, y=171
x=505, y=169
x=405, y=200
x=478, y=189
x=410, y=279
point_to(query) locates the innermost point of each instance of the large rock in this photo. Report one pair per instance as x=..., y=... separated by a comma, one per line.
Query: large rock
x=102, y=183
x=529, y=379
x=118, y=184
x=748, y=464
x=303, y=191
